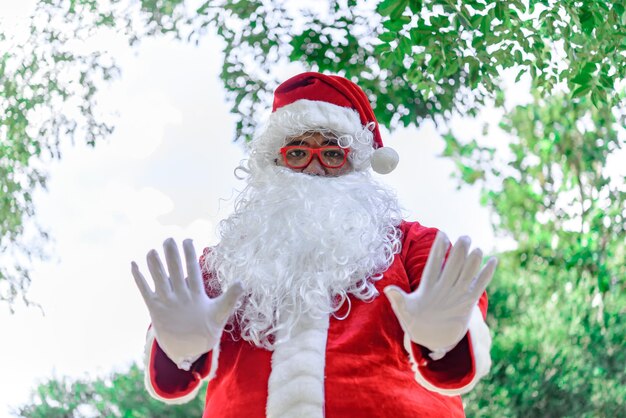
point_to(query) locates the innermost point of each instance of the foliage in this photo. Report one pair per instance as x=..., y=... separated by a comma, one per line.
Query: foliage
x=557, y=305
x=47, y=95
x=558, y=349
x=416, y=59
x=120, y=395
x=554, y=194
x=419, y=59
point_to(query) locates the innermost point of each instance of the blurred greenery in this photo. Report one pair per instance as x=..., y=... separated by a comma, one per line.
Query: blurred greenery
x=558, y=302
x=119, y=395
x=417, y=59
x=47, y=96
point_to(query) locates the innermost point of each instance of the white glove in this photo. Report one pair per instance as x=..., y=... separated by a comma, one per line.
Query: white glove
x=436, y=315
x=187, y=323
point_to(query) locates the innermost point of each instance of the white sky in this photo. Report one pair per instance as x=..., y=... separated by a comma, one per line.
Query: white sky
x=162, y=174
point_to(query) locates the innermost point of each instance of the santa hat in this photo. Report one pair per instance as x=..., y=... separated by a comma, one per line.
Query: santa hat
x=336, y=103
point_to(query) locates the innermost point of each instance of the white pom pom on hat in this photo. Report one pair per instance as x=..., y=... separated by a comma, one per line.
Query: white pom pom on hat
x=334, y=102
x=384, y=160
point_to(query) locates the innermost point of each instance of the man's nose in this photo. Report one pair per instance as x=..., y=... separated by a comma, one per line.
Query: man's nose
x=315, y=168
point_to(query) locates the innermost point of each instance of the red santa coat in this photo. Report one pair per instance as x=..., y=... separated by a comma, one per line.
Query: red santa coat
x=360, y=366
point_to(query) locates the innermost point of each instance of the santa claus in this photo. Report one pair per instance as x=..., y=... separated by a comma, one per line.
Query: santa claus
x=285, y=317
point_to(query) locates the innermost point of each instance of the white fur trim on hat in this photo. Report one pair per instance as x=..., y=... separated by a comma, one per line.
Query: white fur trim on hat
x=318, y=114
x=384, y=160
x=480, y=339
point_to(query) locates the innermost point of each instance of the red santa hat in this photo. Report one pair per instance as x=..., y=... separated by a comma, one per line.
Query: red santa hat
x=332, y=102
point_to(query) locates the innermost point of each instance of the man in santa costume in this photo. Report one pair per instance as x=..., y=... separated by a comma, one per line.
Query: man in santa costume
x=285, y=317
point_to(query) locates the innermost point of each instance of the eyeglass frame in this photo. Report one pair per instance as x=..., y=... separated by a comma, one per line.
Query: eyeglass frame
x=314, y=152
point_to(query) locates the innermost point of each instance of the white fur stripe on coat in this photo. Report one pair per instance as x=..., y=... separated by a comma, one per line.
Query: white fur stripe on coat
x=480, y=340
x=296, y=383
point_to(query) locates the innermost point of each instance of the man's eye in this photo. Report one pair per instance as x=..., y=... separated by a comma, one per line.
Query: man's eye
x=296, y=153
x=333, y=154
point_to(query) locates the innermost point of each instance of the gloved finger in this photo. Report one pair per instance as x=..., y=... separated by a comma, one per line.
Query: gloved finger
x=434, y=262
x=141, y=283
x=397, y=299
x=464, y=308
x=175, y=267
x=194, y=275
x=225, y=303
x=162, y=286
x=470, y=269
x=484, y=277
x=455, y=262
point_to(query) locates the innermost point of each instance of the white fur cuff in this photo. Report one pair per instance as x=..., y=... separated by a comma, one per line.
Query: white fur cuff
x=150, y=341
x=480, y=341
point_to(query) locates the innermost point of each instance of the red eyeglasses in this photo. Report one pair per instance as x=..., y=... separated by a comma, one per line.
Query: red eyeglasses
x=299, y=156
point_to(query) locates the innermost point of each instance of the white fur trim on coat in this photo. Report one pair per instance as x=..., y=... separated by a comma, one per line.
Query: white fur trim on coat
x=296, y=383
x=480, y=340
x=150, y=340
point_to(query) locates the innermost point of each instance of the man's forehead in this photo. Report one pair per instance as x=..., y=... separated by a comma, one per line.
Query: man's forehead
x=321, y=137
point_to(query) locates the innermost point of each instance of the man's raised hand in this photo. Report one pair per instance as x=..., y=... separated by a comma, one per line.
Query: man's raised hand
x=436, y=315
x=187, y=323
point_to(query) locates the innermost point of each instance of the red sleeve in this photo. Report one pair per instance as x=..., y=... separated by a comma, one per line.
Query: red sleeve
x=416, y=243
x=460, y=369
x=164, y=380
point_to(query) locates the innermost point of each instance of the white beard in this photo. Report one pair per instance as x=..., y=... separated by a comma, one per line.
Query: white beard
x=300, y=245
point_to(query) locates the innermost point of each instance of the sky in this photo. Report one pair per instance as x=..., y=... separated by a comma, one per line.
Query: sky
x=167, y=171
